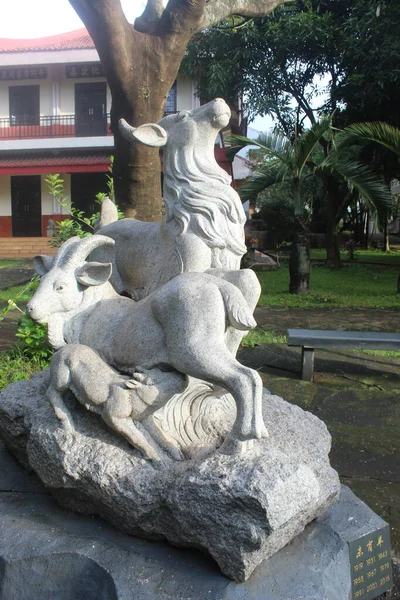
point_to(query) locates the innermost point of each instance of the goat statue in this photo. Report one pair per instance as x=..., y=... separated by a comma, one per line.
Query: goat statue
x=203, y=226
x=185, y=325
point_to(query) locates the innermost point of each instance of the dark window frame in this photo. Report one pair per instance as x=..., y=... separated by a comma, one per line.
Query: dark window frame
x=27, y=98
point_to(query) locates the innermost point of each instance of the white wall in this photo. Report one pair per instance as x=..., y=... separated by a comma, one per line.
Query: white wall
x=5, y=196
x=184, y=94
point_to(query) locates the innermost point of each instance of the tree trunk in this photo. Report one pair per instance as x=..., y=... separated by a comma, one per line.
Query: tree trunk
x=136, y=168
x=367, y=221
x=333, y=259
x=299, y=261
x=386, y=242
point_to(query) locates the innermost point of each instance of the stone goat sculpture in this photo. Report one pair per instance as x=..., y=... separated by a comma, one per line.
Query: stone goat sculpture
x=118, y=399
x=184, y=325
x=203, y=224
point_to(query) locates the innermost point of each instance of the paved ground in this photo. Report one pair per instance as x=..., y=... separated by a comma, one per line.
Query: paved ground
x=10, y=276
x=357, y=395
x=358, y=319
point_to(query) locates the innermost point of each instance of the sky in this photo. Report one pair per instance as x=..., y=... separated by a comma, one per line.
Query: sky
x=40, y=18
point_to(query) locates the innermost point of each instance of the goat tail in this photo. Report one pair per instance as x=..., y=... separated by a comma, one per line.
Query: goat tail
x=238, y=311
x=108, y=214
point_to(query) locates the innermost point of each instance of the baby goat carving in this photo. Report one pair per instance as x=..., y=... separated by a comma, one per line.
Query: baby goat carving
x=121, y=401
x=185, y=325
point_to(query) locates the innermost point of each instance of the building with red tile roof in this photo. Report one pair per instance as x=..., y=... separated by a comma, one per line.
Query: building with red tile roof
x=54, y=118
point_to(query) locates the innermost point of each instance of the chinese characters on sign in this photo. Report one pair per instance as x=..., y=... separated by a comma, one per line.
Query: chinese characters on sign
x=21, y=73
x=371, y=565
x=89, y=70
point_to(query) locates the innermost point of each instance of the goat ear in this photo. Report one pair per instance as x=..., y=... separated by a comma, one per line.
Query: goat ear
x=42, y=264
x=150, y=134
x=93, y=273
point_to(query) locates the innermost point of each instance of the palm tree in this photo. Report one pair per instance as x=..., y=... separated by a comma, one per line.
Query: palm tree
x=381, y=143
x=383, y=134
x=293, y=163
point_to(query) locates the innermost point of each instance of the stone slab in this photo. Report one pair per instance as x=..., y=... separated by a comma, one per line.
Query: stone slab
x=52, y=554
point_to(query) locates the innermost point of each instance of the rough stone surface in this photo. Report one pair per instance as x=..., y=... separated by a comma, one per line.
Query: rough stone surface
x=84, y=557
x=239, y=509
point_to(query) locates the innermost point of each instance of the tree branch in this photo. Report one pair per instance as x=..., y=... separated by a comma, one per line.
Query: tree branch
x=217, y=10
x=181, y=17
x=148, y=21
x=110, y=31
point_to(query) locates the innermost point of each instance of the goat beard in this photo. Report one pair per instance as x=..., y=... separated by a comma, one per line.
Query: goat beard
x=55, y=333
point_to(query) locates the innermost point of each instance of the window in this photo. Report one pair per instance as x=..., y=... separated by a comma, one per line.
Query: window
x=170, y=104
x=24, y=105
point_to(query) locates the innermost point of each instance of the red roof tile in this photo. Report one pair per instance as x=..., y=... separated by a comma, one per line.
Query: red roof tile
x=72, y=40
x=54, y=164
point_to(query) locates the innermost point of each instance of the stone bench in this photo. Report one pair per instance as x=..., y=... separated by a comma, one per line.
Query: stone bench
x=309, y=339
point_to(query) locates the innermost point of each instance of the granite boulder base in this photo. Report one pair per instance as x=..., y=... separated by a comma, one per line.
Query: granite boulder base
x=240, y=509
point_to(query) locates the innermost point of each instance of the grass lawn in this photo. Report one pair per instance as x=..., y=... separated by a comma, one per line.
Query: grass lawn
x=389, y=258
x=14, y=366
x=353, y=286
x=19, y=293
x=10, y=262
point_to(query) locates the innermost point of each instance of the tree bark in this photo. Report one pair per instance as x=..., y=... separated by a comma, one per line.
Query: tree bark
x=141, y=65
x=386, y=242
x=299, y=260
x=333, y=258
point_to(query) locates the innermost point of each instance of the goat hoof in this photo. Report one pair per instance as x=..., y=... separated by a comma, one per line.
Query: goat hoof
x=175, y=453
x=232, y=446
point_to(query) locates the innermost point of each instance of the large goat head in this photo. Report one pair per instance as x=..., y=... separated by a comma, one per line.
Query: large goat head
x=66, y=277
x=186, y=128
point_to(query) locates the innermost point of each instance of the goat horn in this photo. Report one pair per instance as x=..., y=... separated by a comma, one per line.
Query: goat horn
x=126, y=129
x=79, y=253
x=65, y=249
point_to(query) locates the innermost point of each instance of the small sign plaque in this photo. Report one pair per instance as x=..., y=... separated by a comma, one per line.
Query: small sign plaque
x=371, y=565
x=21, y=73
x=84, y=70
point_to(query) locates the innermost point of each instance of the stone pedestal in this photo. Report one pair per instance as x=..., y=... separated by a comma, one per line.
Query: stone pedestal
x=52, y=554
x=241, y=509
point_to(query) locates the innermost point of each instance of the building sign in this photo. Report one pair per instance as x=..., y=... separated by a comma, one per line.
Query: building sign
x=20, y=73
x=89, y=70
x=371, y=565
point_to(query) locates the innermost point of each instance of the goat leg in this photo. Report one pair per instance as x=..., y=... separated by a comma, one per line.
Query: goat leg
x=126, y=427
x=61, y=411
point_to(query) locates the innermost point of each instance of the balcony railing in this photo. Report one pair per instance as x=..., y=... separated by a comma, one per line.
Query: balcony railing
x=51, y=126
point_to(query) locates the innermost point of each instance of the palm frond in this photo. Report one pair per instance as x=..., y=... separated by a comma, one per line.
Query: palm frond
x=379, y=132
x=308, y=141
x=258, y=182
x=273, y=145
x=360, y=177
